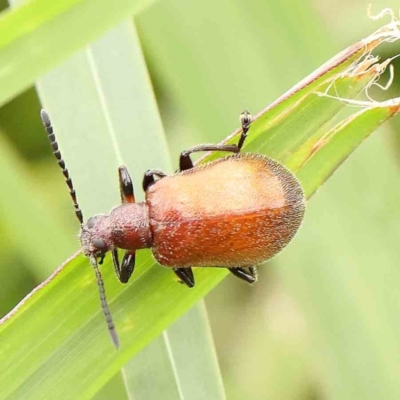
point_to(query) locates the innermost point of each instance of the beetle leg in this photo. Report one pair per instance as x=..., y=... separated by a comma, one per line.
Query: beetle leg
x=125, y=185
x=245, y=120
x=185, y=161
x=149, y=175
x=115, y=258
x=185, y=275
x=124, y=270
x=247, y=274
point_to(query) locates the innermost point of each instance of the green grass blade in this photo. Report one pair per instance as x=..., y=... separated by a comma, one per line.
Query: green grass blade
x=338, y=143
x=47, y=251
x=39, y=34
x=194, y=356
x=151, y=373
x=193, y=367
x=70, y=335
x=116, y=104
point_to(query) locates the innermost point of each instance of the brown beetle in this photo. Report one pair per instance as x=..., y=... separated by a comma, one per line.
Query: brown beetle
x=234, y=212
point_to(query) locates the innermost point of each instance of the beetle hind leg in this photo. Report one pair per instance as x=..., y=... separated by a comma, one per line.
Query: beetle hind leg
x=185, y=276
x=248, y=274
x=185, y=162
x=245, y=121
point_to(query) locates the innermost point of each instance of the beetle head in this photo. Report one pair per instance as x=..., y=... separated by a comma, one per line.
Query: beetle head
x=95, y=237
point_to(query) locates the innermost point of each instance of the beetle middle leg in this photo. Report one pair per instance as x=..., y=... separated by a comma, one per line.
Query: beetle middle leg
x=185, y=162
x=149, y=175
x=248, y=274
x=185, y=275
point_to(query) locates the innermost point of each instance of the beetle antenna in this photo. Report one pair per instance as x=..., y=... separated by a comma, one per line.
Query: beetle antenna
x=54, y=145
x=104, y=305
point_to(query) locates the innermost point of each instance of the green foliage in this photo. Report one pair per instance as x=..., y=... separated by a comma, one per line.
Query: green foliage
x=56, y=345
x=153, y=300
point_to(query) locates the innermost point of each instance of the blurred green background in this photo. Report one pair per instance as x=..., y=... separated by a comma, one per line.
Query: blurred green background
x=323, y=321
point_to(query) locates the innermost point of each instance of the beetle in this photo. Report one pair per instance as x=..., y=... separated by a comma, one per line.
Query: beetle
x=234, y=212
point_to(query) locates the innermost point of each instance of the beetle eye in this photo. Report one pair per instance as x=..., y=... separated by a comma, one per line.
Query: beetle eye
x=100, y=244
x=91, y=222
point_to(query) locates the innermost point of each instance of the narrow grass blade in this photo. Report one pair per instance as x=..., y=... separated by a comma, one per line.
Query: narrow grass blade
x=189, y=357
x=16, y=221
x=194, y=356
x=151, y=373
x=111, y=98
x=339, y=142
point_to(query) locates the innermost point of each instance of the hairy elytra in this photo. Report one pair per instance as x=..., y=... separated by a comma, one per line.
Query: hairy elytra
x=234, y=212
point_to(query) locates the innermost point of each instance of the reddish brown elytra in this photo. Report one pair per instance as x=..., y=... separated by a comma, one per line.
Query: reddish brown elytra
x=233, y=213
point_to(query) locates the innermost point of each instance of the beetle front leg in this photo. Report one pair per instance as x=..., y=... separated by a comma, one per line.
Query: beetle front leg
x=125, y=185
x=185, y=275
x=249, y=274
x=149, y=175
x=125, y=269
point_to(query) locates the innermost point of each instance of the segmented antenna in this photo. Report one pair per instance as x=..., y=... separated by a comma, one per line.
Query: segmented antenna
x=54, y=145
x=103, y=300
x=104, y=305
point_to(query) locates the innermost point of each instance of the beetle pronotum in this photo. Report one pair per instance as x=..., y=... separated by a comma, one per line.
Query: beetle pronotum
x=234, y=212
